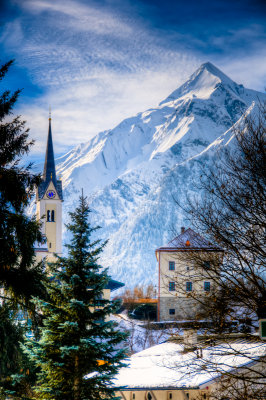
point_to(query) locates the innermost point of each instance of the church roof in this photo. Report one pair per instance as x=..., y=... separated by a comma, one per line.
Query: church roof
x=189, y=240
x=44, y=185
x=49, y=164
x=49, y=172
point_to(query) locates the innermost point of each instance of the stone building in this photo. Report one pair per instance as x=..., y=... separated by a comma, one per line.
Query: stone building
x=184, y=271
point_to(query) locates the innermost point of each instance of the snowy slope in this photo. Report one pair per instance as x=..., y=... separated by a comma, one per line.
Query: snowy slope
x=132, y=172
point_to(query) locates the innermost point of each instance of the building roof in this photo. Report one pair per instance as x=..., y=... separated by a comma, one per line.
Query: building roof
x=114, y=285
x=49, y=172
x=49, y=164
x=189, y=240
x=167, y=366
x=41, y=246
x=43, y=186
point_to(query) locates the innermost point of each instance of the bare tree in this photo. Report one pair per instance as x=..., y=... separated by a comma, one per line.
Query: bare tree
x=231, y=213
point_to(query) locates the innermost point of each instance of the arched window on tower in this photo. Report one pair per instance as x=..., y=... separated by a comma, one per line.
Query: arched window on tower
x=52, y=216
x=48, y=215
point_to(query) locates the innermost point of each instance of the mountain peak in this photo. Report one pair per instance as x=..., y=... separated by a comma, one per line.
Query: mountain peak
x=210, y=68
x=133, y=173
x=201, y=83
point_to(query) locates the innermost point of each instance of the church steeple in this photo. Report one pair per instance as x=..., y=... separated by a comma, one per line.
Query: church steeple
x=49, y=164
x=49, y=173
x=49, y=199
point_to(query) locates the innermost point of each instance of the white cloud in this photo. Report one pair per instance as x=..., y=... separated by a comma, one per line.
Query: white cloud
x=82, y=109
x=81, y=17
x=248, y=70
x=97, y=66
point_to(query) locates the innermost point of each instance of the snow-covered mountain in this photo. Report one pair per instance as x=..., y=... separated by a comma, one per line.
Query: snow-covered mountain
x=132, y=173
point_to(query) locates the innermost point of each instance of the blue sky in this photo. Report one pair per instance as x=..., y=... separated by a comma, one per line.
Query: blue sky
x=98, y=62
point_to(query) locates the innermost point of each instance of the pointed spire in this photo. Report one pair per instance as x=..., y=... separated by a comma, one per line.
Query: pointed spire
x=49, y=164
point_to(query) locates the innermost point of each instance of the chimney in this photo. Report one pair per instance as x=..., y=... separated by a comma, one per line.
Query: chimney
x=183, y=229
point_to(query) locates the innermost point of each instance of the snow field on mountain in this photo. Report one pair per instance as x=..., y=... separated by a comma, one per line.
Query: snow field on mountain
x=133, y=174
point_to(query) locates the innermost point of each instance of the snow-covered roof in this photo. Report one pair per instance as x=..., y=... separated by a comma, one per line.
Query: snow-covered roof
x=167, y=366
x=187, y=240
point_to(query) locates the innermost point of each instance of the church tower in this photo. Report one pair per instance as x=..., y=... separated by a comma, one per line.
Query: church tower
x=49, y=198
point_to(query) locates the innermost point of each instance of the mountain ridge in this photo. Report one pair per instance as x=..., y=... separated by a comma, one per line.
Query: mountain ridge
x=132, y=173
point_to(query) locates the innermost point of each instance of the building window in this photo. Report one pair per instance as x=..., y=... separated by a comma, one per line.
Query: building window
x=50, y=245
x=99, y=301
x=171, y=286
x=189, y=286
x=207, y=264
x=149, y=397
x=52, y=216
x=48, y=216
x=171, y=311
x=170, y=396
x=187, y=268
x=207, y=286
x=133, y=396
x=171, y=265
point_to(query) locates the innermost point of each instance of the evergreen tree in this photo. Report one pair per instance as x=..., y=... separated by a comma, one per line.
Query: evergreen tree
x=17, y=373
x=78, y=353
x=18, y=275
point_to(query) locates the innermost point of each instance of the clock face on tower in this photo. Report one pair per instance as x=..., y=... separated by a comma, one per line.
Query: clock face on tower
x=50, y=194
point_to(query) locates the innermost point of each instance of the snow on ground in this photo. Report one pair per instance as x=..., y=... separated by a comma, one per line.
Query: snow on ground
x=141, y=333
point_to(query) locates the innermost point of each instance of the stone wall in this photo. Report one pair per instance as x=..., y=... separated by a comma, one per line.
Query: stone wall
x=185, y=308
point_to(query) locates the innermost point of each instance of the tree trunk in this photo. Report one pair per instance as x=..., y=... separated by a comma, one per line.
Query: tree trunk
x=76, y=380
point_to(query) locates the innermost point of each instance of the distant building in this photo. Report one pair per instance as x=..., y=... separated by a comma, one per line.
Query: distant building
x=183, y=272
x=49, y=201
